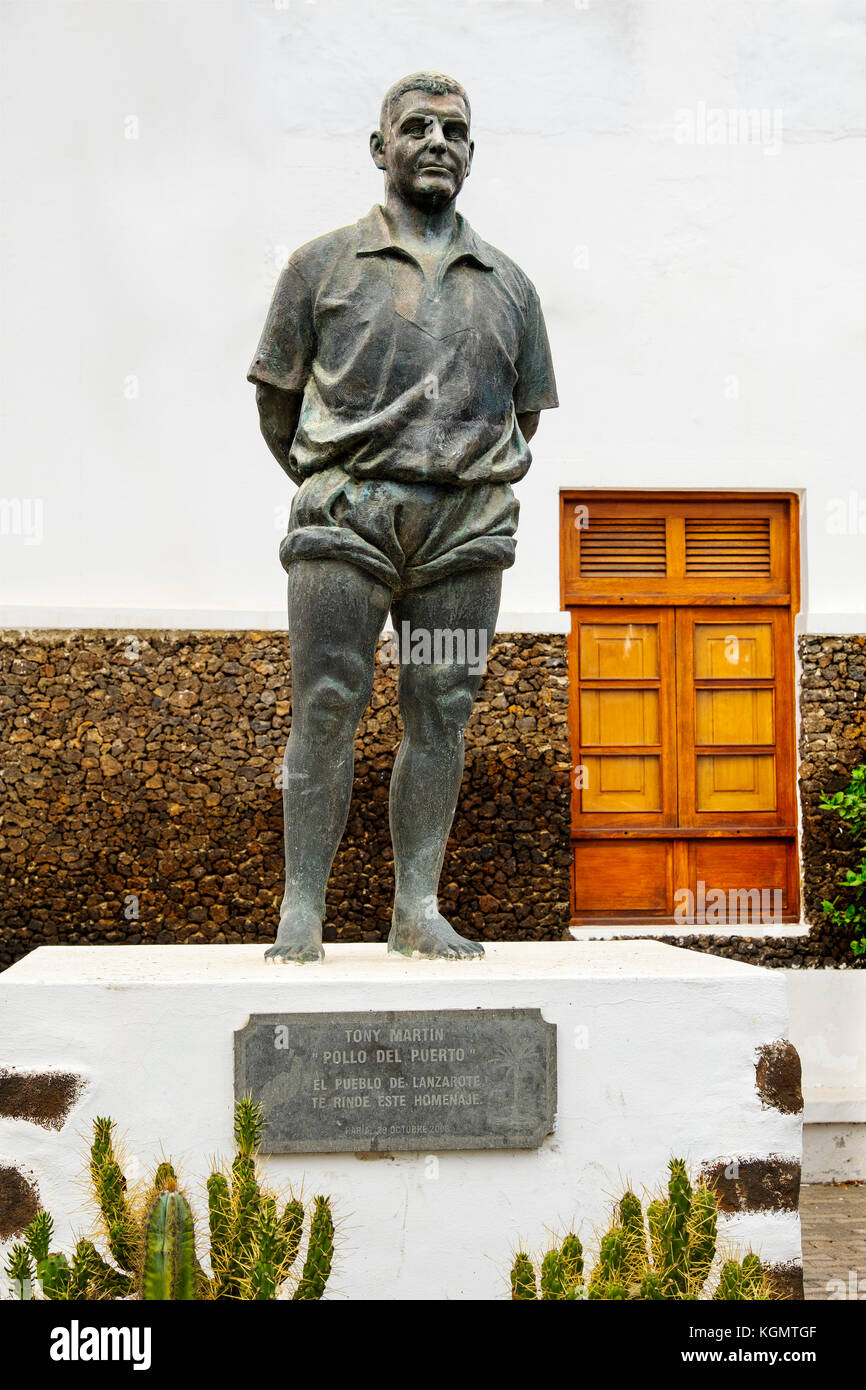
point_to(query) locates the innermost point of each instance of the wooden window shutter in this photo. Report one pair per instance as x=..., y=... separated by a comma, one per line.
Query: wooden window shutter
x=640, y=548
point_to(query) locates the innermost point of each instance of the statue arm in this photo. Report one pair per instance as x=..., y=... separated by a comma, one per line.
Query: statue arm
x=528, y=423
x=279, y=412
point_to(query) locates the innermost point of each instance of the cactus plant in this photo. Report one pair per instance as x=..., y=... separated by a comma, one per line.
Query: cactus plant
x=743, y=1281
x=571, y=1252
x=109, y=1185
x=671, y=1257
x=151, y=1237
x=552, y=1284
x=320, y=1252
x=20, y=1271
x=169, y=1249
x=523, y=1285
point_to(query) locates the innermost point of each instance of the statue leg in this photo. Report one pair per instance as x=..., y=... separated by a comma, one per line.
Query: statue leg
x=336, y=612
x=436, y=698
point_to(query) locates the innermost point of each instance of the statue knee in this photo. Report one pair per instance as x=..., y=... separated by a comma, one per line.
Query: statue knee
x=436, y=702
x=336, y=700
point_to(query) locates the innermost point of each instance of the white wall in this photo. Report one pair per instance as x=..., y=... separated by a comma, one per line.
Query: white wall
x=704, y=301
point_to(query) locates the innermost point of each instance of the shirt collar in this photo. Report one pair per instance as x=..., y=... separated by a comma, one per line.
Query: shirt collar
x=375, y=234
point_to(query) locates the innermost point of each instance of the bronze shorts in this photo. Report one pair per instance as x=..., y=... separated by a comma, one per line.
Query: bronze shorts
x=405, y=534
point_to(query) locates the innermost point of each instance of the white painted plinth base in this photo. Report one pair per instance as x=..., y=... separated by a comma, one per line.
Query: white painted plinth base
x=828, y=1028
x=656, y=1057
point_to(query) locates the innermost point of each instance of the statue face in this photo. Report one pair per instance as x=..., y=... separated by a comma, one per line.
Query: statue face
x=426, y=152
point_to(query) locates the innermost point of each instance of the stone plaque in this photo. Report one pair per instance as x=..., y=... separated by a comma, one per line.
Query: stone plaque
x=414, y=1081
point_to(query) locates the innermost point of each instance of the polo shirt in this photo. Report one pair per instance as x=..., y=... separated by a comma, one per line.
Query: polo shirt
x=404, y=378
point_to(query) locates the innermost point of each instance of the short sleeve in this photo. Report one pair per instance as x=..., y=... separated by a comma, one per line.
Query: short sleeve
x=284, y=356
x=535, y=388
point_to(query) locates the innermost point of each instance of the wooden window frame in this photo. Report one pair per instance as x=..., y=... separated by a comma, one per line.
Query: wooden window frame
x=654, y=597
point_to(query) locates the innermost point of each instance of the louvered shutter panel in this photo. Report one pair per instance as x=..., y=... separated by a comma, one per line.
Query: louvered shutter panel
x=727, y=545
x=623, y=545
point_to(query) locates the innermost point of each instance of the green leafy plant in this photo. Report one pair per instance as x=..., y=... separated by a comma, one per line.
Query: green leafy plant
x=850, y=806
x=671, y=1256
x=150, y=1237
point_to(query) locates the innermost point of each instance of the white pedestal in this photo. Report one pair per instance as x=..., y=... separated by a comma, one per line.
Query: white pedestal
x=828, y=1029
x=656, y=1057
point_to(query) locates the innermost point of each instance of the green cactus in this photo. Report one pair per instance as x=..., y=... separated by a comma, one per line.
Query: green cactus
x=523, y=1285
x=651, y=1287
x=165, y=1177
x=571, y=1254
x=92, y=1277
x=675, y=1263
x=730, y=1281
x=744, y=1281
x=20, y=1271
x=559, y=1276
x=608, y=1292
x=703, y=1225
x=53, y=1275
x=635, y=1258
x=631, y=1216
x=109, y=1184
x=39, y=1235
x=682, y=1235
x=253, y=1247
x=611, y=1260
x=51, y=1269
x=220, y=1222
x=263, y=1279
x=675, y=1229
x=292, y=1229
x=169, y=1250
x=551, y=1279
x=249, y=1126
x=320, y=1252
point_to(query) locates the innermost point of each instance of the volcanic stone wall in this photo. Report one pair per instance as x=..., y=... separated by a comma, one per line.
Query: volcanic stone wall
x=832, y=744
x=140, y=793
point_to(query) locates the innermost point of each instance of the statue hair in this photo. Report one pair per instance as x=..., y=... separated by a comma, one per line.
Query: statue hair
x=436, y=83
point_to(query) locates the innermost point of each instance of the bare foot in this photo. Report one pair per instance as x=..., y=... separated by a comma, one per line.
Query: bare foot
x=299, y=938
x=419, y=929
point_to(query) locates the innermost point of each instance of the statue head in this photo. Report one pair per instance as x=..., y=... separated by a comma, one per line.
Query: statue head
x=423, y=143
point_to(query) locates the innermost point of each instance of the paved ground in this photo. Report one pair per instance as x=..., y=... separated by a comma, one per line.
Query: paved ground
x=834, y=1240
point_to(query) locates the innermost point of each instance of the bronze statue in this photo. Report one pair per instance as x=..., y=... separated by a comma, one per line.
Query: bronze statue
x=399, y=378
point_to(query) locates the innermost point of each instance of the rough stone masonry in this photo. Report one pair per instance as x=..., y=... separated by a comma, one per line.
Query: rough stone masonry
x=141, y=779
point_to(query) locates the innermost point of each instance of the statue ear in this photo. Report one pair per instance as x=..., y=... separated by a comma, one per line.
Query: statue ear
x=377, y=149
